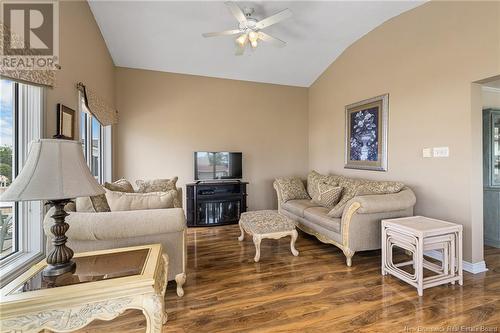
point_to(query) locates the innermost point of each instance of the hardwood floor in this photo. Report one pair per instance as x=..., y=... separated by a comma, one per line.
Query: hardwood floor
x=314, y=292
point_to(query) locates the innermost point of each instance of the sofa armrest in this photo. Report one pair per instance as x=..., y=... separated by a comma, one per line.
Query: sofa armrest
x=278, y=194
x=120, y=224
x=382, y=203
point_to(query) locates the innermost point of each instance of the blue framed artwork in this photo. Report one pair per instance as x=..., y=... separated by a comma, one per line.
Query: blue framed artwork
x=366, y=134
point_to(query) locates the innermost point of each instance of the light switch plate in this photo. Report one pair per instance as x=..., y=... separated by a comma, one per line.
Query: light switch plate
x=441, y=152
x=427, y=152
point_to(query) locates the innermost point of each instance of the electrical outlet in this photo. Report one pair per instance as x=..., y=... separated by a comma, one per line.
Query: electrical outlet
x=427, y=152
x=441, y=152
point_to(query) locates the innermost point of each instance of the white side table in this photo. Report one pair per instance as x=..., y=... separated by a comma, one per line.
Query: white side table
x=417, y=234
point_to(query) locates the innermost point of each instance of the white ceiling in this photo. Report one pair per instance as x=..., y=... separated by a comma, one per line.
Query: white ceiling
x=166, y=36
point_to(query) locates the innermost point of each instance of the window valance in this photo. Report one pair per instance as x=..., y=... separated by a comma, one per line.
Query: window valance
x=43, y=77
x=97, y=106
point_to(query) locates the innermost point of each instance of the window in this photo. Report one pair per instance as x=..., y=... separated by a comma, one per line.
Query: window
x=96, y=145
x=8, y=168
x=21, y=236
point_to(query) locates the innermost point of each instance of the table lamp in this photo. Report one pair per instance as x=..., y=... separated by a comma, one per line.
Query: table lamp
x=55, y=171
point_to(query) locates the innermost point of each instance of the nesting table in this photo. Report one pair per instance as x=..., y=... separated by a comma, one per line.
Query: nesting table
x=104, y=285
x=267, y=224
x=418, y=234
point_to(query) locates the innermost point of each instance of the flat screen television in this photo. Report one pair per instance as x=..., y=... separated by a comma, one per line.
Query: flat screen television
x=217, y=165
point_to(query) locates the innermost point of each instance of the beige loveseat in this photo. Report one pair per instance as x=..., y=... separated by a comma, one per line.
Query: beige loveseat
x=90, y=231
x=359, y=227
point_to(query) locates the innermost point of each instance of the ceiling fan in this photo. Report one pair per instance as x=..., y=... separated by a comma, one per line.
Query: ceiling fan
x=250, y=29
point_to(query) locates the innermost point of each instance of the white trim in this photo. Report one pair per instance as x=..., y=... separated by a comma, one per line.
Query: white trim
x=474, y=268
x=31, y=247
x=107, y=161
x=490, y=89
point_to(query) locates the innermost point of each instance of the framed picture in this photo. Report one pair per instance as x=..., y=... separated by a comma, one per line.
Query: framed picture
x=366, y=134
x=65, y=123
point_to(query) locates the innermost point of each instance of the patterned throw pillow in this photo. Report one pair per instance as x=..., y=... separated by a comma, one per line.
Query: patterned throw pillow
x=121, y=185
x=95, y=204
x=314, y=178
x=353, y=187
x=327, y=195
x=160, y=185
x=156, y=185
x=292, y=188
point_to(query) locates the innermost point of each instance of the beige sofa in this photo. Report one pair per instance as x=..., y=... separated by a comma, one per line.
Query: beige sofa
x=98, y=231
x=359, y=227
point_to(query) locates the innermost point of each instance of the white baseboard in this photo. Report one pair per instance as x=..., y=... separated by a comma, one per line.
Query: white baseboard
x=473, y=268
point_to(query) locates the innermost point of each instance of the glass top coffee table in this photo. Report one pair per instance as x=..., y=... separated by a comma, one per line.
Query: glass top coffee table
x=104, y=285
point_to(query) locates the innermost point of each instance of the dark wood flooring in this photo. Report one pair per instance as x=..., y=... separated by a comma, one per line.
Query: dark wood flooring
x=314, y=292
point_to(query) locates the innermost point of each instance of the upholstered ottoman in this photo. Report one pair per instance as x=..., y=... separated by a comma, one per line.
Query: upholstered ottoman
x=267, y=224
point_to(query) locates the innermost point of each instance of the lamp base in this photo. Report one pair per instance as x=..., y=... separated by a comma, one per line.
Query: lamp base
x=59, y=269
x=59, y=259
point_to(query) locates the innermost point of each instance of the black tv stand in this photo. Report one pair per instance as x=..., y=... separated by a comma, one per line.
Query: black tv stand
x=211, y=203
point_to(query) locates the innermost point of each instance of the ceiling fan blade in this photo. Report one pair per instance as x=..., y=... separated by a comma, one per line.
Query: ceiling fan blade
x=236, y=11
x=221, y=33
x=273, y=40
x=273, y=19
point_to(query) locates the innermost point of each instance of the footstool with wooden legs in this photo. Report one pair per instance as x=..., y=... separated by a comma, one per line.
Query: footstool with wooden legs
x=267, y=224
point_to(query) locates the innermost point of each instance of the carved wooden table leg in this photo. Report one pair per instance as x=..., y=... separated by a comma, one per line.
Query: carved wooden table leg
x=256, y=240
x=180, y=279
x=242, y=236
x=294, y=236
x=154, y=312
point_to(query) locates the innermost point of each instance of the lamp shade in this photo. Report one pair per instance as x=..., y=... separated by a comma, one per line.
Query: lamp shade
x=54, y=170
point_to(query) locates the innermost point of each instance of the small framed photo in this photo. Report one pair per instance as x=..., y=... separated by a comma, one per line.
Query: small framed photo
x=366, y=134
x=65, y=123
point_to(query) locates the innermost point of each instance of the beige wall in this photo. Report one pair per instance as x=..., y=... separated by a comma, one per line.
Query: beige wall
x=426, y=59
x=165, y=117
x=83, y=57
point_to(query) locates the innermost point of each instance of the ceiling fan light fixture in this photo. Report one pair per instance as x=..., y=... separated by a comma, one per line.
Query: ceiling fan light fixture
x=242, y=39
x=253, y=36
x=250, y=29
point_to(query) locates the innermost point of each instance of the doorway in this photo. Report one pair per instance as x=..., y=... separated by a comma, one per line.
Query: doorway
x=491, y=162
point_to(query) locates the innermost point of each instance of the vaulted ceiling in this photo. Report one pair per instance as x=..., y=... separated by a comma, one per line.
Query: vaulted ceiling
x=166, y=36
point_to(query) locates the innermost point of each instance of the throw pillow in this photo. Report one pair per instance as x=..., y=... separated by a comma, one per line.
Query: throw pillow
x=327, y=195
x=354, y=187
x=121, y=185
x=156, y=185
x=159, y=185
x=84, y=205
x=122, y=201
x=94, y=204
x=100, y=203
x=292, y=188
x=313, y=180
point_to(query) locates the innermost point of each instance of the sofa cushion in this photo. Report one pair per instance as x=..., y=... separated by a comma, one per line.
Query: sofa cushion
x=327, y=195
x=356, y=187
x=121, y=185
x=291, y=188
x=297, y=207
x=120, y=201
x=319, y=216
